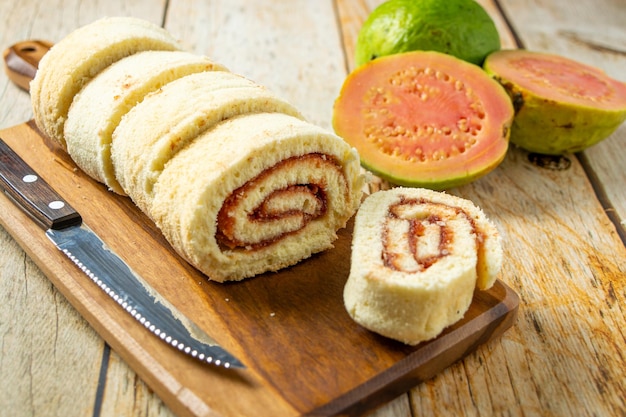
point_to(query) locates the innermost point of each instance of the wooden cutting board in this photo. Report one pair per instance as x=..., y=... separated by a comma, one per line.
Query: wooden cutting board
x=304, y=355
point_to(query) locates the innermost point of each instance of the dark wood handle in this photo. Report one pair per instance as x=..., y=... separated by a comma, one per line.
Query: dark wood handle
x=22, y=60
x=32, y=194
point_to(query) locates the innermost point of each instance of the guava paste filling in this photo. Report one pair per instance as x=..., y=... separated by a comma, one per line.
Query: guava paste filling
x=416, y=235
x=287, y=210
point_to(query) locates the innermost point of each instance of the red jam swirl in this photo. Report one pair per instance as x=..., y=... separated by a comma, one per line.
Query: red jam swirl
x=416, y=229
x=265, y=212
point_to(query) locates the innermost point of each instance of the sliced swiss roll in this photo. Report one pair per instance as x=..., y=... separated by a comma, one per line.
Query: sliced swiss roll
x=81, y=55
x=417, y=256
x=237, y=180
x=256, y=193
x=99, y=107
x=151, y=134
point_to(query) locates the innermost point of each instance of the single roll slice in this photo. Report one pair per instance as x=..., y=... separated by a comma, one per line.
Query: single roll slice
x=98, y=108
x=256, y=193
x=78, y=57
x=164, y=122
x=417, y=256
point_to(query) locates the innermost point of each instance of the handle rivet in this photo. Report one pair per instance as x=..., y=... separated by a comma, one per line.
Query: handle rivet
x=56, y=205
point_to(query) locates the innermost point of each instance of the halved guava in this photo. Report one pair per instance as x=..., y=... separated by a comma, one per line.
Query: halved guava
x=424, y=119
x=456, y=27
x=561, y=106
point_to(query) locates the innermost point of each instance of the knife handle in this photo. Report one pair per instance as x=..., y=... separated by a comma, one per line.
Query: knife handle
x=22, y=60
x=32, y=194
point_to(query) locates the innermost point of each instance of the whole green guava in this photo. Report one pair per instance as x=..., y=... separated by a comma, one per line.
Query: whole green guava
x=461, y=28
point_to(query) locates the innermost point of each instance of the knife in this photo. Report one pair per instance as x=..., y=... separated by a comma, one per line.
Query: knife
x=65, y=228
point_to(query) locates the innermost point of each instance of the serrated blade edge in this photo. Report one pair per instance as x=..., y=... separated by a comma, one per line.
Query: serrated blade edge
x=109, y=272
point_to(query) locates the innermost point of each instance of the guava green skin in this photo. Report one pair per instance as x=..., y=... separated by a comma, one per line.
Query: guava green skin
x=550, y=127
x=460, y=28
x=436, y=184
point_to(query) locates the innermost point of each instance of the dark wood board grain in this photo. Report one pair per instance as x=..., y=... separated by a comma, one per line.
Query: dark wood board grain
x=304, y=354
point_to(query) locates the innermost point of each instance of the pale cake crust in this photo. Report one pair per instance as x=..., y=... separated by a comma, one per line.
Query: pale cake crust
x=99, y=107
x=80, y=56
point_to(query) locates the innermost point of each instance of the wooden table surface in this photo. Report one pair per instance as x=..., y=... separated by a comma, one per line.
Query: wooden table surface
x=564, y=229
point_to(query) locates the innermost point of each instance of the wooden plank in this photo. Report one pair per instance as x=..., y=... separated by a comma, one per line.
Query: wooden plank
x=125, y=394
x=46, y=342
x=40, y=333
x=293, y=48
x=304, y=353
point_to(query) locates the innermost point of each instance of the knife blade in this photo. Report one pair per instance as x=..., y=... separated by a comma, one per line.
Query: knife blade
x=63, y=225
